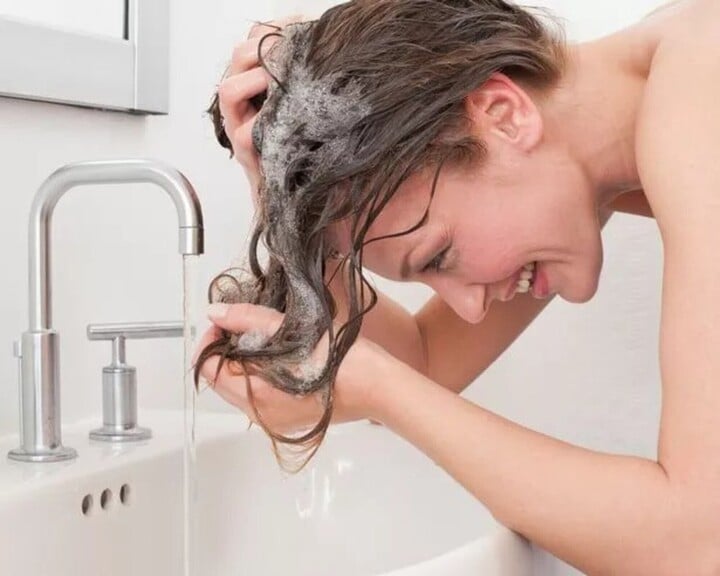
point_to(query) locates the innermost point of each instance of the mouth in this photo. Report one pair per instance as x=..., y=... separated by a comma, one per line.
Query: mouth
x=526, y=279
x=522, y=281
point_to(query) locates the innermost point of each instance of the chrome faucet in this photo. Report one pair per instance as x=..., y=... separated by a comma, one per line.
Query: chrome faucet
x=40, y=425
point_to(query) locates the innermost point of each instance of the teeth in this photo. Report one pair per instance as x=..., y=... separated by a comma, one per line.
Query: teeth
x=525, y=281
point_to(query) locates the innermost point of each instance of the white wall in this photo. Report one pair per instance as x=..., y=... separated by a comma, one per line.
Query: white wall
x=587, y=374
x=102, y=17
x=115, y=248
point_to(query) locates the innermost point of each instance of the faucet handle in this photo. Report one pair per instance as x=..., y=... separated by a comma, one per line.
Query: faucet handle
x=120, y=379
x=135, y=330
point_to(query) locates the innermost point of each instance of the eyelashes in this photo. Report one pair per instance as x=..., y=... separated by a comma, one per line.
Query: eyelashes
x=436, y=264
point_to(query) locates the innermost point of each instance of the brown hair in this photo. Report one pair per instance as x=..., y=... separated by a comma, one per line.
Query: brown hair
x=363, y=97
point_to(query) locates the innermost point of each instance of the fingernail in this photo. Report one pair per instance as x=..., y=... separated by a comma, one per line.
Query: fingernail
x=217, y=311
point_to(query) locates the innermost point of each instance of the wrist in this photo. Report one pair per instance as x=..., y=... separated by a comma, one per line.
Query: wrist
x=380, y=374
x=365, y=371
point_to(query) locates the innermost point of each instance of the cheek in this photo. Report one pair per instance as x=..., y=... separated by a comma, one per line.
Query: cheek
x=488, y=254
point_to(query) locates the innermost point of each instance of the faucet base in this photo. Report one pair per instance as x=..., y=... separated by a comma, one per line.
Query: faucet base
x=59, y=454
x=112, y=434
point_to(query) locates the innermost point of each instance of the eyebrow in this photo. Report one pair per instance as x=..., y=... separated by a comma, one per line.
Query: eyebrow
x=406, y=269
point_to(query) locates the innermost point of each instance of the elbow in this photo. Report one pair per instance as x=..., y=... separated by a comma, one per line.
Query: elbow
x=692, y=543
x=700, y=560
x=707, y=562
x=703, y=520
x=673, y=558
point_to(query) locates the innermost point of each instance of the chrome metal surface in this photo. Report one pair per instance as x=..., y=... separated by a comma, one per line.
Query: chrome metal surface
x=40, y=432
x=39, y=62
x=181, y=192
x=40, y=438
x=120, y=379
x=135, y=330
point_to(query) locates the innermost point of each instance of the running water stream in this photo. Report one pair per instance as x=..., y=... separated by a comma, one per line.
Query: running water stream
x=190, y=280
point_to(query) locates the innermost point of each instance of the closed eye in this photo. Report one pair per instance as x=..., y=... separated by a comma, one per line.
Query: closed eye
x=435, y=265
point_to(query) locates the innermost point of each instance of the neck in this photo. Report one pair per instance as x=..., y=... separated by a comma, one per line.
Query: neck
x=592, y=113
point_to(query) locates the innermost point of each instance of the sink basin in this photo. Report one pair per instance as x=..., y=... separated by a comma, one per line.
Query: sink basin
x=367, y=504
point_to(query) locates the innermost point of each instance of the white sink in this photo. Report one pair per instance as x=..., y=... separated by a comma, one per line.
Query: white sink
x=367, y=504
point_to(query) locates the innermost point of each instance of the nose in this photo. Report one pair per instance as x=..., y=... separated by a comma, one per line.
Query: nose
x=467, y=301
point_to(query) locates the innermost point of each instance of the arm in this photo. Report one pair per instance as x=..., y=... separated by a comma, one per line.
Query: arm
x=439, y=344
x=436, y=342
x=603, y=513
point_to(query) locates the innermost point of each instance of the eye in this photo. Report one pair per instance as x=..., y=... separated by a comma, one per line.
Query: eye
x=435, y=265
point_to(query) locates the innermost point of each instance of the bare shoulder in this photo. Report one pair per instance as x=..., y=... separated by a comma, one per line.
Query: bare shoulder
x=670, y=14
x=670, y=20
x=677, y=130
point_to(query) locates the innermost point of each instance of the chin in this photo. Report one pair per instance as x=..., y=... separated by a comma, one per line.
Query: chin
x=582, y=285
x=583, y=288
x=578, y=296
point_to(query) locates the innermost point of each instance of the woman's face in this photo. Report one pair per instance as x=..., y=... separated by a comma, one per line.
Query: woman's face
x=528, y=201
x=485, y=224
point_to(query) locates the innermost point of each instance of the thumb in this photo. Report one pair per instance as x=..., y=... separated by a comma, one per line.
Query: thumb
x=245, y=317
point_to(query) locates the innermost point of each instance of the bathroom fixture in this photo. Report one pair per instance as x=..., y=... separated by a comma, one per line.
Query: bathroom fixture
x=38, y=350
x=368, y=503
x=120, y=381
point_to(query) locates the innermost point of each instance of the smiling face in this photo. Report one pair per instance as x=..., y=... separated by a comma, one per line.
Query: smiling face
x=527, y=201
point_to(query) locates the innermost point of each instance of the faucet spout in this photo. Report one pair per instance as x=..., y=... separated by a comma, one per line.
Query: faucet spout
x=181, y=192
x=40, y=431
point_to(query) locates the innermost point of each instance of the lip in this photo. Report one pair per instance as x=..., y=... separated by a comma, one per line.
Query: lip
x=539, y=287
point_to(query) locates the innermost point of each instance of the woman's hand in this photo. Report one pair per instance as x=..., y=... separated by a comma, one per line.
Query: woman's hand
x=360, y=370
x=244, y=80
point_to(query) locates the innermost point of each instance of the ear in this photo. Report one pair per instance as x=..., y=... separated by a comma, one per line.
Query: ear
x=501, y=108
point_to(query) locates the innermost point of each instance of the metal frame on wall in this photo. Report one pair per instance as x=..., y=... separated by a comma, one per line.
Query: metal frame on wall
x=43, y=63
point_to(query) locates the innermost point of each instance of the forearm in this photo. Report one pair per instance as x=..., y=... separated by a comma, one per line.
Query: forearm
x=458, y=352
x=605, y=514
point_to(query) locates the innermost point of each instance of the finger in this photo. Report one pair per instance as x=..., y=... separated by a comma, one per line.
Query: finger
x=232, y=386
x=229, y=386
x=245, y=153
x=234, y=94
x=242, y=140
x=217, y=379
x=245, y=55
x=245, y=317
x=259, y=29
x=210, y=335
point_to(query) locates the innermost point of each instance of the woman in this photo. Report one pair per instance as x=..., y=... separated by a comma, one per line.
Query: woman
x=552, y=140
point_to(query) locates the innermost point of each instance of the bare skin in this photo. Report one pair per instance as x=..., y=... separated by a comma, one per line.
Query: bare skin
x=633, y=128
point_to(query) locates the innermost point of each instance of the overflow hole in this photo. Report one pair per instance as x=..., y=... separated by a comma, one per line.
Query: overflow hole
x=106, y=499
x=86, y=505
x=125, y=494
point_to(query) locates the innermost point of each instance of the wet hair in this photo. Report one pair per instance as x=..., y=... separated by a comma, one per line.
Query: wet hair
x=370, y=93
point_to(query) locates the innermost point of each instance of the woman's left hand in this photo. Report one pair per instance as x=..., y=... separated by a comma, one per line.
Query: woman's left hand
x=280, y=411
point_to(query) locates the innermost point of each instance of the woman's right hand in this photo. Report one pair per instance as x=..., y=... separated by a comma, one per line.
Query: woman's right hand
x=360, y=372
x=245, y=79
